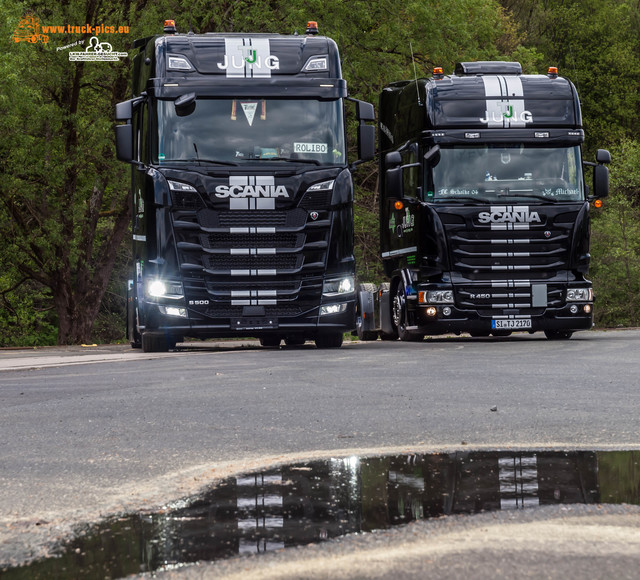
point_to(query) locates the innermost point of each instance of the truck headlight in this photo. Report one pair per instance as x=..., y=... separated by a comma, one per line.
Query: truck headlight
x=579, y=295
x=157, y=288
x=332, y=309
x=436, y=297
x=339, y=286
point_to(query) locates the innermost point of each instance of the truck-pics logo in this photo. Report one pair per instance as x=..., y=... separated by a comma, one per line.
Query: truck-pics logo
x=509, y=214
x=28, y=30
x=248, y=58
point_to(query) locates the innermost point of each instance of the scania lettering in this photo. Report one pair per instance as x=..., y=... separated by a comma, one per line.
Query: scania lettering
x=242, y=197
x=484, y=210
x=251, y=191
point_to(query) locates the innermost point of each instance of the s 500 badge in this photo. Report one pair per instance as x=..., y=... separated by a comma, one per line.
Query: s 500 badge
x=198, y=302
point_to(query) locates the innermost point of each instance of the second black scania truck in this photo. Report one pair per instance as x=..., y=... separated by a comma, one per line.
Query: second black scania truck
x=484, y=210
x=242, y=197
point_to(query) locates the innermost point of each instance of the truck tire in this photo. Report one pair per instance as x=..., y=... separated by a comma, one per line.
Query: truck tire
x=400, y=316
x=329, y=340
x=152, y=342
x=364, y=334
x=558, y=334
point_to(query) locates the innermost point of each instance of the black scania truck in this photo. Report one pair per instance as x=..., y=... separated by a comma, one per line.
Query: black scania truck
x=484, y=211
x=242, y=197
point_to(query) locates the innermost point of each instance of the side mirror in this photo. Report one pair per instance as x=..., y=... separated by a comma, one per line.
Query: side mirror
x=392, y=160
x=603, y=156
x=124, y=142
x=432, y=157
x=185, y=104
x=124, y=111
x=393, y=183
x=365, y=111
x=366, y=142
x=601, y=180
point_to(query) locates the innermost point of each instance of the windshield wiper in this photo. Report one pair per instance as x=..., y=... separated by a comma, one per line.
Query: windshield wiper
x=529, y=195
x=463, y=199
x=289, y=159
x=198, y=160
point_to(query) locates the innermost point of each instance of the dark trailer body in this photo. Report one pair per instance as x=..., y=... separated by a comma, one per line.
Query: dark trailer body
x=241, y=194
x=484, y=211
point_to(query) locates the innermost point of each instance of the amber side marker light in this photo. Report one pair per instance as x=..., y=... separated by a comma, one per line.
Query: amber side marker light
x=398, y=205
x=597, y=203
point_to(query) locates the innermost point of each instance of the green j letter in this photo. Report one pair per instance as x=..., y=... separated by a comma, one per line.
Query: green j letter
x=508, y=116
x=253, y=57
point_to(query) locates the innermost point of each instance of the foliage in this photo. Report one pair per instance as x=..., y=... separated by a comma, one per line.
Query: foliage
x=615, y=243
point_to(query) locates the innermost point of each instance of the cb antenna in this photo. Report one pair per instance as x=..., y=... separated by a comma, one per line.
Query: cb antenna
x=415, y=73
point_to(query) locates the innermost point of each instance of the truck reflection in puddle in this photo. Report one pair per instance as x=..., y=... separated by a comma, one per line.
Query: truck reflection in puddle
x=303, y=503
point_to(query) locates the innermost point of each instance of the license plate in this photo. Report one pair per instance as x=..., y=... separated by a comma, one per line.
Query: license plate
x=511, y=323
x=251, y=323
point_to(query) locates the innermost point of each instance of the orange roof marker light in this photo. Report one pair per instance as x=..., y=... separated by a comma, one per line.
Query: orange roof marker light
x=312, y=27
x=170, y=27
x=553, y=72
x=438, y=72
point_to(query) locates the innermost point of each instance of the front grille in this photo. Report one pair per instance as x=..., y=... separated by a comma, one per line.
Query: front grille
x=483, y=255
x=231, y=262
x=294, y=219
x=285, y=240
x=515, y=268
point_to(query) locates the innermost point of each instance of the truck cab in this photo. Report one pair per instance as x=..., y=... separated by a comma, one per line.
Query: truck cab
x=242, y=197
x=484, y=205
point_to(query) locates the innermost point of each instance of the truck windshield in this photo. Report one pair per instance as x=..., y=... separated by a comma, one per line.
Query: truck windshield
x=237, y=131
x=506, y=174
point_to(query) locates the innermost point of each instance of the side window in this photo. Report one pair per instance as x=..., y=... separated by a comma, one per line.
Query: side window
x=411, y=175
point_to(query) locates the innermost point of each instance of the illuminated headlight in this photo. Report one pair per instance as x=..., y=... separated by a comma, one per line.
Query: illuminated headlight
x=322, y=186
x=338, y=286
x=178, y=186
x=162, y=289
x=332, y=309
x=173, y=311
x=436, y=297
x=579, y=295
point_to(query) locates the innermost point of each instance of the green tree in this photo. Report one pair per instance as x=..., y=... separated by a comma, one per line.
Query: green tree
x=615, y=242
x=63, y=196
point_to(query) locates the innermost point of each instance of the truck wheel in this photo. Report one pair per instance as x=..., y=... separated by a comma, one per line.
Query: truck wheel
x=154, y=342
x=399, y=315
x=270, y=341
x=558, y=334
x=333, y=340
x=364, y=334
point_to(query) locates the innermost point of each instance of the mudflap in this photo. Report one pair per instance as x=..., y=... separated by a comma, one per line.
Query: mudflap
x=386, y=324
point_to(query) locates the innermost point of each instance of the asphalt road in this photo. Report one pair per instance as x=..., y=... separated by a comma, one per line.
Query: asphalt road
x=93, y=431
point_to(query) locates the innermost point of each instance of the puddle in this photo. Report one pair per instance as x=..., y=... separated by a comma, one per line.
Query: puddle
x=303, y=503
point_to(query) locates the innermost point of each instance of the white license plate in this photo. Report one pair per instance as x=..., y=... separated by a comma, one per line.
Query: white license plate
x=511, y=323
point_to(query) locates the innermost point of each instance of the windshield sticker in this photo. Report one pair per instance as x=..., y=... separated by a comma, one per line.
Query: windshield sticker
x=249, y=111
x=310, y=148
x=444, y=191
